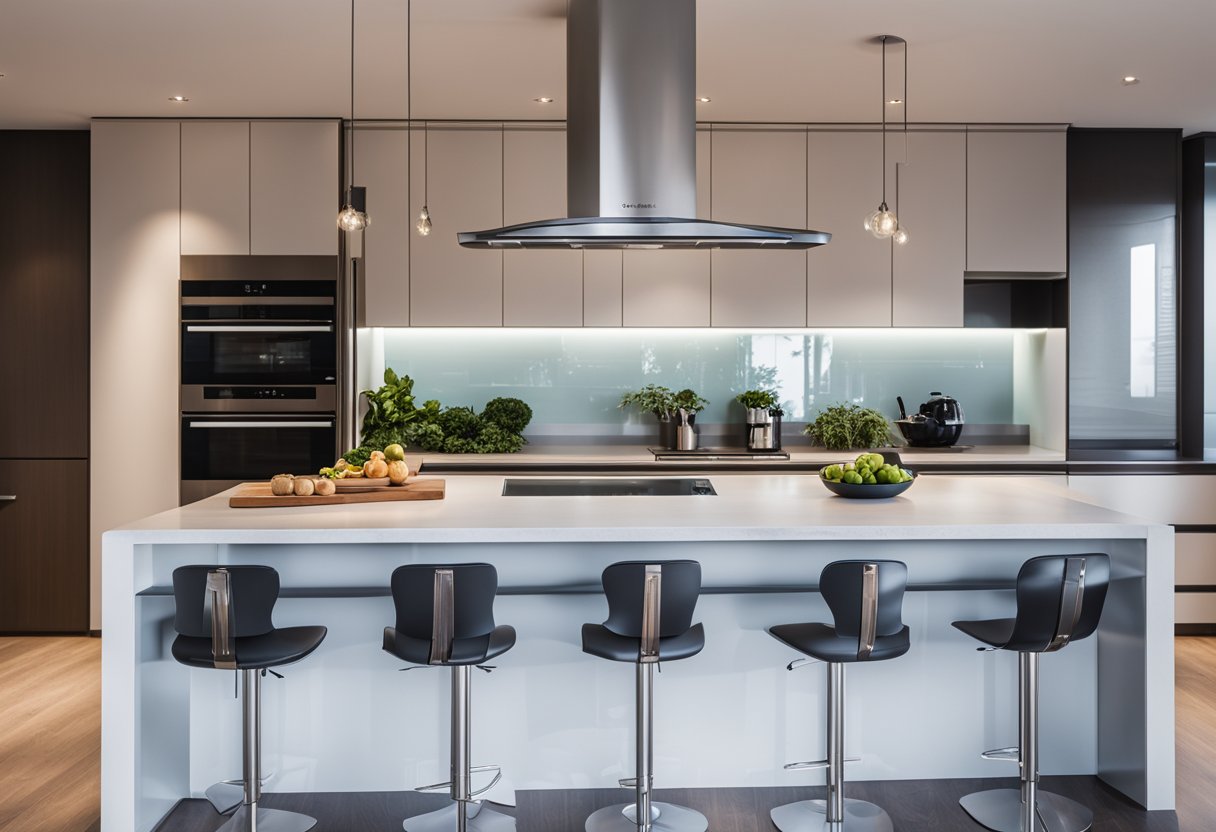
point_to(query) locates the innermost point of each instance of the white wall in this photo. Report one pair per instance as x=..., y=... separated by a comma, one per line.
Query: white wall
x=1040, y=386
x=134, y=244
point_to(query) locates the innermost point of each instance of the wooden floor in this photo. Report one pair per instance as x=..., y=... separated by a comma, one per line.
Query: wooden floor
x=50, y=744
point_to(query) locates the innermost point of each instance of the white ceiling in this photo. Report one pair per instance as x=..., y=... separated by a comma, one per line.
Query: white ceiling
x=759, y=60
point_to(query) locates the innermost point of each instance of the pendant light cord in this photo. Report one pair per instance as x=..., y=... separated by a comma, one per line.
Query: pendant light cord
x=350, y=182
x=409, y=89
x=884, y=121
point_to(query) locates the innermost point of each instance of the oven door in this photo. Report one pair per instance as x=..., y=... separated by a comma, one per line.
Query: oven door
x=240, y=352
x=219, y=451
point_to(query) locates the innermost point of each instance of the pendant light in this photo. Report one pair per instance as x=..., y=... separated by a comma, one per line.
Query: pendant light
x=353, y=216
x=882, y=222
x=423, y=225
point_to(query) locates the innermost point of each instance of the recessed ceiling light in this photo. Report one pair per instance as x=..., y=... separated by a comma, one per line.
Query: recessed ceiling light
x=178, y=98
x=544, y=99
x=702, y=99
x=1130, y=80
x=895, y=101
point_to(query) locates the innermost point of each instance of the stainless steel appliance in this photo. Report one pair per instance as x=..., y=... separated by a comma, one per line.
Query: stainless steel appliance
x=763, y=429
x=259, y=369
x=938, y=423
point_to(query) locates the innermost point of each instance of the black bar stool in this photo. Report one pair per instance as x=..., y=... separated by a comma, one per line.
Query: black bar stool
x=445, y=618
x=866, y=599
x=1059, y=600
x=650, y=607
x=223, y=621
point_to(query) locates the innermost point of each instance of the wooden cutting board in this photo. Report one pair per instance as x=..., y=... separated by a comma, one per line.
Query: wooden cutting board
x=257, y=495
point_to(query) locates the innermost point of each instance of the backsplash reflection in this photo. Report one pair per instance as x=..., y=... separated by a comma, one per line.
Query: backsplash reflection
x=576, y=377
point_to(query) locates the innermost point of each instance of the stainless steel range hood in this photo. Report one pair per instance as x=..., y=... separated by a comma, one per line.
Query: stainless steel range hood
x=631, y=151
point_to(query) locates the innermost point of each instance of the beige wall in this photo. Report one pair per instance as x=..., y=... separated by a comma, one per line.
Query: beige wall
x=135, y=207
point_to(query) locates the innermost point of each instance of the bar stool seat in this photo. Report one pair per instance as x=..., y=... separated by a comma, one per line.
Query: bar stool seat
x=994, y=632
x=465, y=651
x=599, y=641
x=824, y=642
x=283, y=646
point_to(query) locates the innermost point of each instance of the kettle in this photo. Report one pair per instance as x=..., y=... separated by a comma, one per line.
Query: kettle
x=944, y=409
x=938, y=423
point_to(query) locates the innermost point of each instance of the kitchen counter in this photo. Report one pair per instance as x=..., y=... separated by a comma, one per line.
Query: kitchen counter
x=556, y=718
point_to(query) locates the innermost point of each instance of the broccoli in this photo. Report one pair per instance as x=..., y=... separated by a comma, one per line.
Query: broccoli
x=495, y=439
x=512, y=415
x=459, y=445
x=426, y=435
x=459, y=423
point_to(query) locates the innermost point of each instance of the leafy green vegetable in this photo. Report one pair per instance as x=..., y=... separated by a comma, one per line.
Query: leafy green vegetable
x=358, y=456
x=844, y=426
x=425, y=435
x=512, y=415
x=459, y=422
x=763, y=399
x=495, y=439
x=390, y=409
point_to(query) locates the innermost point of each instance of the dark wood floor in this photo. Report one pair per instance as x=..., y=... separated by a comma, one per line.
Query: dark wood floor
x=914, y=806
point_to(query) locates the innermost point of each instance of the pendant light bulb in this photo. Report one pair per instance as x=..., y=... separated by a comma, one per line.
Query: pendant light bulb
x=900, y=236
x=352, y=219
x=882, y=223
x=424, y=222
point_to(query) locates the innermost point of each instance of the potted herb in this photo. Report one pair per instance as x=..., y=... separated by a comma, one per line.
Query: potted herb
x=664, y=404
x=762, y=420
x=844, y=427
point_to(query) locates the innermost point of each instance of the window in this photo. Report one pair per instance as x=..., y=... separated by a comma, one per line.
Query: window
x=1142, y=376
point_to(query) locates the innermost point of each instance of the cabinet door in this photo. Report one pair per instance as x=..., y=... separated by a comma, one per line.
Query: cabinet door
x=44, y=294
x=215, y=187
x=1017, y=201
x=459, y=172
x=293, y=198
x=382, y=166
x=671, y=287
x=44, y=523
x=540, y=288
x=759, y=178
x=849, y=279
x=931, y=195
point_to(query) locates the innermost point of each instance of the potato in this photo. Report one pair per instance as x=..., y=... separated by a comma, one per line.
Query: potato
x=398, y=472
x=375, y=468
x=304, y=486
x=325, y=487
x=282, y=485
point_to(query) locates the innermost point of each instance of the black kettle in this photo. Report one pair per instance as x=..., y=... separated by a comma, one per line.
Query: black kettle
x=939, y=422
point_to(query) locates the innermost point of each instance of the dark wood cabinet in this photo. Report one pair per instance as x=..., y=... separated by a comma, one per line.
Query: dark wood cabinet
x=44, y=546
x=44, y=294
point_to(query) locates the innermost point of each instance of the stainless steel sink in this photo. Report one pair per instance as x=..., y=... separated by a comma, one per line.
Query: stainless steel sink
x=607, y=487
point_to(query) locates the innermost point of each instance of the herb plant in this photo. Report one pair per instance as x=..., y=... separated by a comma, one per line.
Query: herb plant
x=845, y=426
x=762, y=399
x=512, y=415
x=389, y=410
x=651, y=399
x=688, y=400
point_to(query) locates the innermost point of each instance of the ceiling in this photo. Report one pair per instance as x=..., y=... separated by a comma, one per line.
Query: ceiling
x=65, y=61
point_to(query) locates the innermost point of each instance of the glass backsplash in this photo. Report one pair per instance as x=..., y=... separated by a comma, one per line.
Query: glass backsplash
x=574, y=378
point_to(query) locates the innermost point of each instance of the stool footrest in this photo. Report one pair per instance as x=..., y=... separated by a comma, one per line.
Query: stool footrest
x=816, y=764
x=447, y=784
x=1012, y=753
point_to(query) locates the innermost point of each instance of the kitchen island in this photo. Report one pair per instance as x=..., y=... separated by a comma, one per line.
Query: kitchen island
x=345, y=720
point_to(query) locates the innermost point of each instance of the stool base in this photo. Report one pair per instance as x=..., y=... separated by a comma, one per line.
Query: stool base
x=811, y=816
x=1001, y=810
x=225, y=796
x=671, y=818
x=478, y=818
x=268, y=820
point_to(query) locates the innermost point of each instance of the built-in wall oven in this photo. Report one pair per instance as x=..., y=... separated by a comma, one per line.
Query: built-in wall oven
x=259, y=369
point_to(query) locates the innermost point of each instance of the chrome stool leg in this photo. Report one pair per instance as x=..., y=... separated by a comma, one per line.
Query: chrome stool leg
x=655, y=816
x=466, y=814
x=835, y=814
x=1027, y=808
x=250, y=817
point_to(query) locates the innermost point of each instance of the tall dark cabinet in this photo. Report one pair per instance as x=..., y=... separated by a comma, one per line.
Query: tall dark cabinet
x=44, y=381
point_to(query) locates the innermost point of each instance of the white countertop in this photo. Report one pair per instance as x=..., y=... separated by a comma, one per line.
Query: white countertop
x=747, y=507
x=537, y=454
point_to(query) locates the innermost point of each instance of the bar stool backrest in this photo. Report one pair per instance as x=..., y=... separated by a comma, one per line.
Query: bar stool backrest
x=625, y=587
x=252, y=593
x=444, y=602
x=866, y=598
x=1060, y=600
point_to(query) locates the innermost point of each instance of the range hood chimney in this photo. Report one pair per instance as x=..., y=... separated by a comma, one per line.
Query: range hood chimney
x=631, y=144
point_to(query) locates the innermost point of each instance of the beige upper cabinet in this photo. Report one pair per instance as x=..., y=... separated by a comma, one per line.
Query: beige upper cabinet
x=215, y=187
x=758, y=177
x=670, y=287
x=849, y=279
x=1017, y=201
x=930, y=197
x=540, y=288
x=459, y=171
x=293, y=194
x=382, y=166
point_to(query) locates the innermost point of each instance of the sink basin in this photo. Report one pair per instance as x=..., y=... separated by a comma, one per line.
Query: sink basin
x=607, y=487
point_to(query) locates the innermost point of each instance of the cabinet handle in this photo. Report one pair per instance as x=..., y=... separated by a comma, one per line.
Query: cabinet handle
x=259, y=328
x=261, y=424
x=8, y=498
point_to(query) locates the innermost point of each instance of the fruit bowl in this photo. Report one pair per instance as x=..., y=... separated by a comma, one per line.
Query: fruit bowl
x=863, y=491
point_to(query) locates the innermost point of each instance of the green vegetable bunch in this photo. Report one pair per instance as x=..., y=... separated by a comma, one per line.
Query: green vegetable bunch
x=762, y=399
x=389, y=410
x=844, y=426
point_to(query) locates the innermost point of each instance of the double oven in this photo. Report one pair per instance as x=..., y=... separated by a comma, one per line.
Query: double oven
x=259, y=369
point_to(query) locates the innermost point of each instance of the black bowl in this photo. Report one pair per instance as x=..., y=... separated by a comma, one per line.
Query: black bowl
x=862, y=491
x=929, y=433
